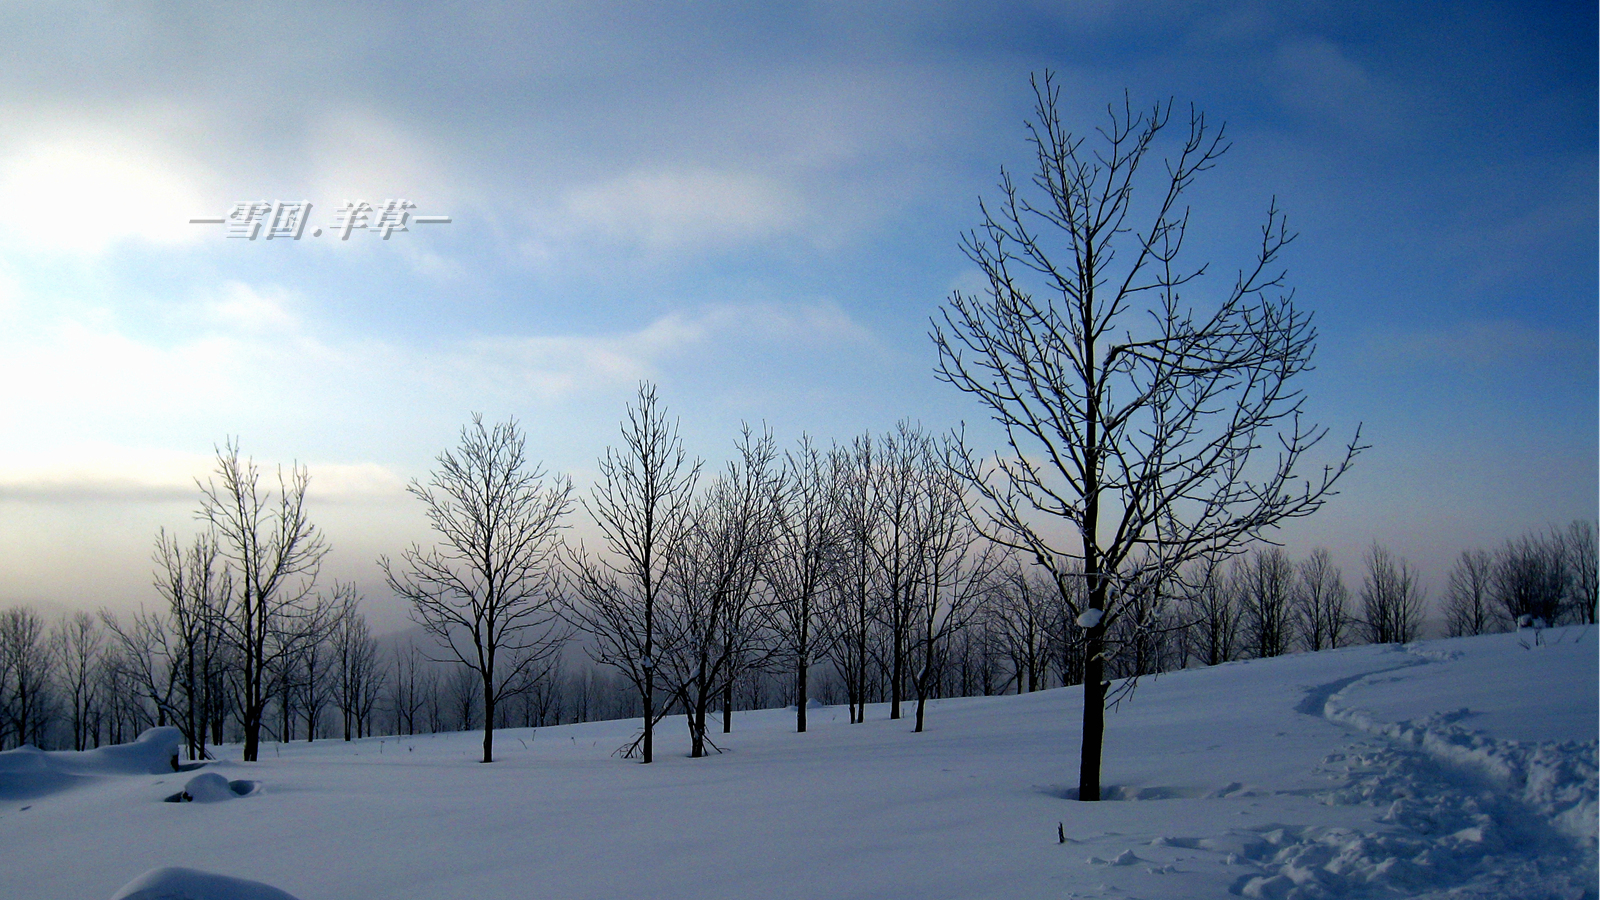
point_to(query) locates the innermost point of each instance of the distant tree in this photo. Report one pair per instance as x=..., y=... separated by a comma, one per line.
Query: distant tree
x=1391, y=600
x=1212, y=608
x=24, y=676
x=489, y=592
x=1582, y=558
x=1132, y=417
x=1468, y=605
x=275, y=554
x=147, y=661
x=1021, y=609
x=707, y=597
x=406, y=692
x=1321, y=601
x=1268, y=591
x=809, y=529
x=641, y=504
x=357, y=676
x=1531, y=579
x=77, y=643
x=957, y=573
x=849, y=615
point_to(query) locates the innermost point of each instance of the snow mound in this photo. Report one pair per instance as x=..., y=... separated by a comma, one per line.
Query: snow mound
x=174, y=883
x=211, y=788
x=29, y=772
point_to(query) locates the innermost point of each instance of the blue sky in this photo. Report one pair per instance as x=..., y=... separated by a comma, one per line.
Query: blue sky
x=758, y=209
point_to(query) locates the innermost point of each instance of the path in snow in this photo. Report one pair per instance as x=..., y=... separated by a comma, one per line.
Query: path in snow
x=1468, y=815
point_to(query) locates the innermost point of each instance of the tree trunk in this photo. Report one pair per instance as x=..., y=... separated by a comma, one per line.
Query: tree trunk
x=1094, y=714
x=727, y=706
x=800, y=697
x=488, y=719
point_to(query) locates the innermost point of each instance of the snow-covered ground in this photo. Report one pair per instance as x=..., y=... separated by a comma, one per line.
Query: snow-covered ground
x=1460, y=768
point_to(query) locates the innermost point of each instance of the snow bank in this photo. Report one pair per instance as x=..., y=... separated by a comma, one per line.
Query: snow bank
x=174, y=883
x=28, y=772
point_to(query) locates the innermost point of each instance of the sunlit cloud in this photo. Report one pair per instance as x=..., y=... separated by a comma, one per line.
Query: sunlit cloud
x=81, y=191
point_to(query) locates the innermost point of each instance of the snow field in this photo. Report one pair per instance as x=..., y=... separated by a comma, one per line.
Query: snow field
x=1457, y=768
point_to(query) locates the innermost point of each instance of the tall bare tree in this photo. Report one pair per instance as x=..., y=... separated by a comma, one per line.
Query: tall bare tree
x=275, y=553
x=705, y=612
x=808, y=532
x=641, y=504
x=1131, y=414
x=850, y=612
x=489, y=591
x=904, y=460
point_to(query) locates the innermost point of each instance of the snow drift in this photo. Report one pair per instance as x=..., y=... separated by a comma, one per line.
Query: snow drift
x=28, y=772
x=174, y=883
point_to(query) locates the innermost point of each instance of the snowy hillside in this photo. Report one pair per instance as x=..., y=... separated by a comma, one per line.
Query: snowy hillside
x=1461, y=768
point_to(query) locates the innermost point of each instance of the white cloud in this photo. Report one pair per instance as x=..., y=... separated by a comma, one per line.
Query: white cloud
x=244, y=308
x=84, y=190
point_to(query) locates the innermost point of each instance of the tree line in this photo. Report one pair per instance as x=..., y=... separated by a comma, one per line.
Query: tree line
x=851, y=573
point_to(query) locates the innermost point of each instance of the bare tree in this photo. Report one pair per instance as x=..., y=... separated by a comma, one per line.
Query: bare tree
x=1131, y=415
x=1531, y=579
x=275, y=553
x=957, y=570
x=357, y=676
x=1468, y=604
x=1391, y=600
x=488, y=593
x=1322, y=602
x=1022, y=608
x=904, y=458
x=850, y=611
x=641, y=505
x=198, y=588
x=147, y=660
x=1212, y=603
x=1268, y=586
x=808, y=532
x=76, y=644
x=1582, y=559
x=702, y=618
x=407, y=691
x=24, y=675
